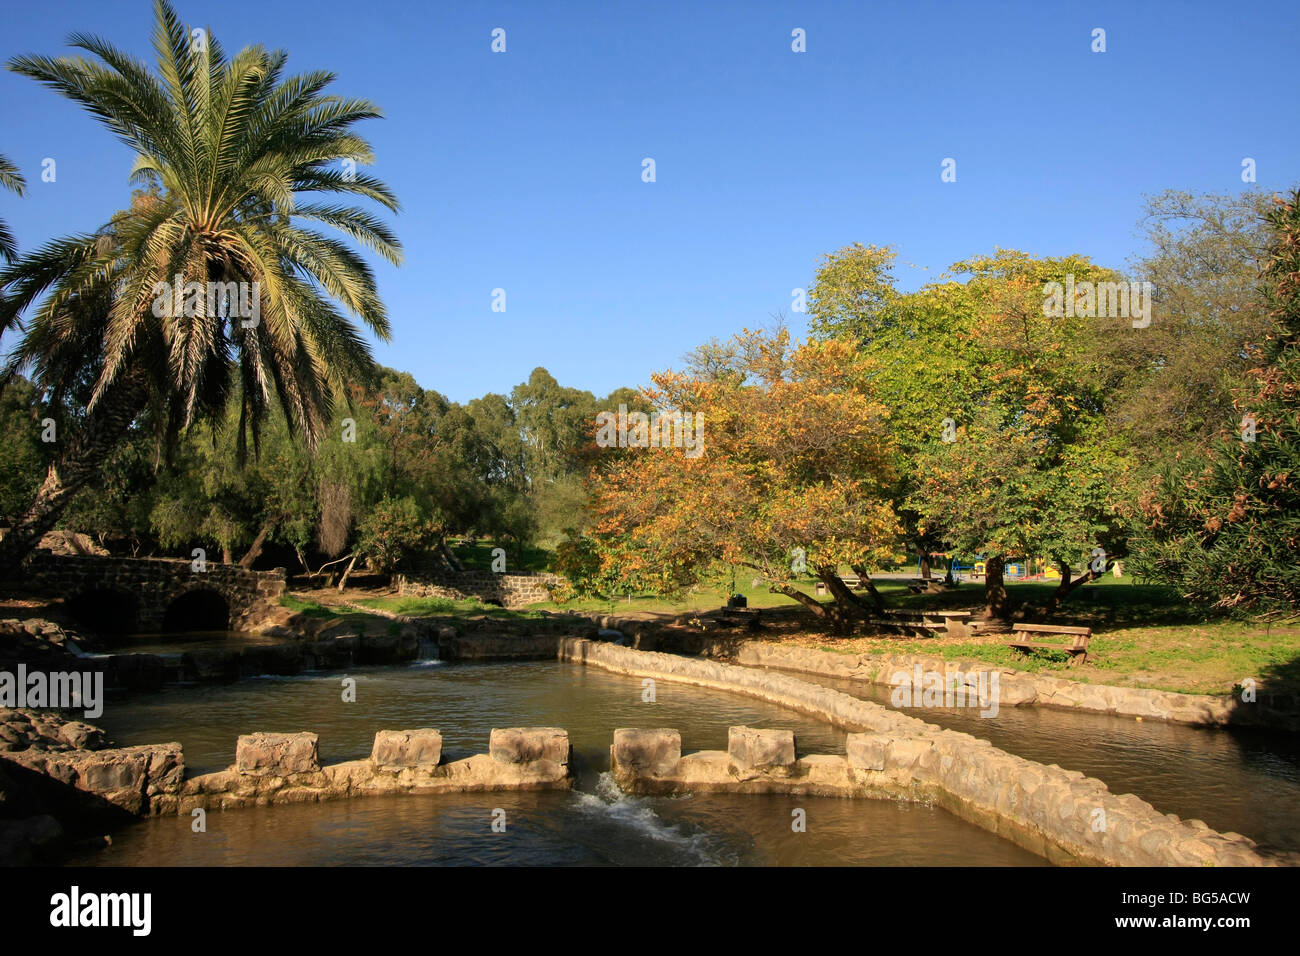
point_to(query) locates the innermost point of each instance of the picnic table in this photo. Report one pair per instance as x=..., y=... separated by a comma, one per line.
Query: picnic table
x=1077, y=648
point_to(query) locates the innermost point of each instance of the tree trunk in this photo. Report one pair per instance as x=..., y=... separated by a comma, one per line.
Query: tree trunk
x=811, y=603
x=865, y=578
x=447, y=555
x=995, y=591
x=925, y=565
x=79, y=464
x=343, y=582
x=1068, y=587
x=225, y=554
x=255, y=549
x=847, y=602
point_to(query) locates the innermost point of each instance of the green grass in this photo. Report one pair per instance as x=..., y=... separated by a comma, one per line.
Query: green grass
x=1143, y=636
x=309, y=608
x=447, y=607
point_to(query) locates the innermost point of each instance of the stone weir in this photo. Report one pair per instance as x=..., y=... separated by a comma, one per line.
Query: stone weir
x=1059, y=814
x=285, y=768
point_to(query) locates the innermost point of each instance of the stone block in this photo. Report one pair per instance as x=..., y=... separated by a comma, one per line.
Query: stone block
x=866, y=751
x=529, y=744
x=905, y=753
x=652, y=752
x=754, y=749
x=277, y=755
x=407, y=748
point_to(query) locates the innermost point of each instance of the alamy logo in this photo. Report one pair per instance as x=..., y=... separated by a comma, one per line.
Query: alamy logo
x=674, y=429
x=1091, y=300
x=231, y=300
x=74, y=908
x=923, y=688
x=59, y=690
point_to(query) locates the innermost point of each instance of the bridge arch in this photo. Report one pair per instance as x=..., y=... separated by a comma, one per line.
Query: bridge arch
x=104, y=608
x=198, y=609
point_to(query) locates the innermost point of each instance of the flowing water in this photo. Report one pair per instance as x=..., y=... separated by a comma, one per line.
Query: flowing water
x=1244, y=779
x=595, y=824
x=1240, y=780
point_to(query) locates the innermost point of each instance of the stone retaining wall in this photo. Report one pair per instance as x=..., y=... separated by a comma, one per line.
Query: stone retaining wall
x=1020, y=688
x=510, y=590
x=1045, y=809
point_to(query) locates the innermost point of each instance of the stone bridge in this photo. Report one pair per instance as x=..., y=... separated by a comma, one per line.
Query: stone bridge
x=132, y=595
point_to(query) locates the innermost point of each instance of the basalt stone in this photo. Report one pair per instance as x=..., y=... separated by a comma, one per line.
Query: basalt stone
x=395, y=749
x=276, y=659
x=529, y=744
x=754, y=749
x=647, y=752
x=218, y=665
x=277, y=754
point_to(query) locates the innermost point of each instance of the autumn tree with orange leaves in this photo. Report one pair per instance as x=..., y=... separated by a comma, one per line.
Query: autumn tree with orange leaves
x=794, y=473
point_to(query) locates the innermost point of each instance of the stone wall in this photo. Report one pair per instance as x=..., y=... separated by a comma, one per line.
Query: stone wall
x=1021, y=688
x=1059, y=814
x=510, y=590
x=153, y=584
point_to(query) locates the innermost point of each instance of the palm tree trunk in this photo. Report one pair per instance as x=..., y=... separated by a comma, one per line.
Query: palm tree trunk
x=77, y=465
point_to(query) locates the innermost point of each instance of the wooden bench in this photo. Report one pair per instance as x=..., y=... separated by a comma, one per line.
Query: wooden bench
x=1078, y=649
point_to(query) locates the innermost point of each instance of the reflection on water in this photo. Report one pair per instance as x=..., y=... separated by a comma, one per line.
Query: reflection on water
x=595, y=825
x=1243, y=780
x=181, y=641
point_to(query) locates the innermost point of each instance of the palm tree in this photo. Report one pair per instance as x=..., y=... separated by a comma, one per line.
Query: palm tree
x=10, y=178
x=233, y=152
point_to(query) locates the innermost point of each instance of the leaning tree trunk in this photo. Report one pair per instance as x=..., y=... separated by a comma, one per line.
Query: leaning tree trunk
x=1068, y=587
x=833, y=615
x=77, y=465
x=847, y=603
x=255, y=549
x=343, y=582
x=996, y=603
x=876, y=598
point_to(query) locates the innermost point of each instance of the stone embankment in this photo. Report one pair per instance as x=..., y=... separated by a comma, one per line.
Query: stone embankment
x=1059, y=814
x=62, y=786
x=1022, y=689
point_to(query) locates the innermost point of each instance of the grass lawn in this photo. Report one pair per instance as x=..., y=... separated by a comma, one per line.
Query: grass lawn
x=1143, y=635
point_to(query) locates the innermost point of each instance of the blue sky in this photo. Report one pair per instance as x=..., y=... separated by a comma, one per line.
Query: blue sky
x=522, y=170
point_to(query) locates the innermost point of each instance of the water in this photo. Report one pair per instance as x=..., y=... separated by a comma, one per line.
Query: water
x=1241, y=779
x=594, y=825
x=176, y=644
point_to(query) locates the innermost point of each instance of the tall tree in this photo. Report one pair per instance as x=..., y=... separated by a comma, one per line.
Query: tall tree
x=239, y=151
x=1226, y=530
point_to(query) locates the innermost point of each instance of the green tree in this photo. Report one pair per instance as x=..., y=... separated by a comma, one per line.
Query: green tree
x=1226, y=530
x=238, y=150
